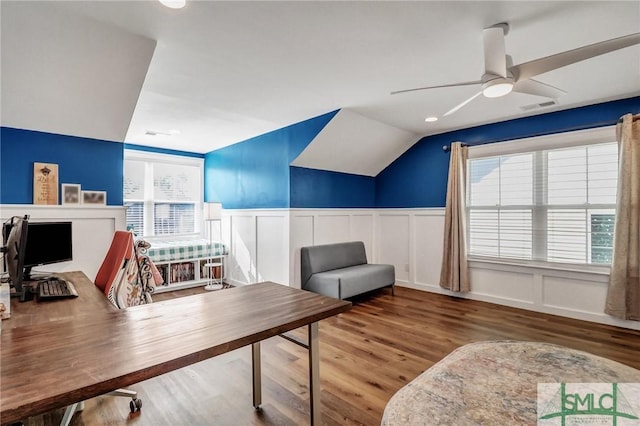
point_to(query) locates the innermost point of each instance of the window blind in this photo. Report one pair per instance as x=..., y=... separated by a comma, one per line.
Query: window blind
x=553, y=205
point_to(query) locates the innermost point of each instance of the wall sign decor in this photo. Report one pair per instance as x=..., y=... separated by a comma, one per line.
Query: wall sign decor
x=45, y=183
x=71, y=193
x=96, y=198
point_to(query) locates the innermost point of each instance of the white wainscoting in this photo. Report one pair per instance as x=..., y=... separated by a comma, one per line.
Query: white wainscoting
x=258, y=243
x=265, y=245
x=92, y=228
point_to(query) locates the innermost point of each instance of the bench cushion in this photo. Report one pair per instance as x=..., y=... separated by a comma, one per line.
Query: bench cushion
x=351, y=281
x=174, y=250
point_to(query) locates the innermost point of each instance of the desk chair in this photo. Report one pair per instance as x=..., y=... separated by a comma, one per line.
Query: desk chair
x=125, y=279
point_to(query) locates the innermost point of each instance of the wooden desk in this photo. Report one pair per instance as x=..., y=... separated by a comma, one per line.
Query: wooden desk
x=90, y=302
x=96, y=349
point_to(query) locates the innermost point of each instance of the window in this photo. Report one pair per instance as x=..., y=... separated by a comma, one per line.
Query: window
x=549, y=199
x=163, y=193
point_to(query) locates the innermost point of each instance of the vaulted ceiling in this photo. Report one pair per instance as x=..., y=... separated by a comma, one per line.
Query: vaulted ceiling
x=222, y=72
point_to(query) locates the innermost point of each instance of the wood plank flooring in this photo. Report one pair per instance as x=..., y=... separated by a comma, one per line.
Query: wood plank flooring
x=367, y=354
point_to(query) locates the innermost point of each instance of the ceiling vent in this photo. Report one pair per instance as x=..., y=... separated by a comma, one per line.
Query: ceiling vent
x=545, y=104
x=157, y=132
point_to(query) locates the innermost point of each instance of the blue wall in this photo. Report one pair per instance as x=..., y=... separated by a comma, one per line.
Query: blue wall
x=94, y=164
x=418, y=178
x=255, y=173
x=323, y=189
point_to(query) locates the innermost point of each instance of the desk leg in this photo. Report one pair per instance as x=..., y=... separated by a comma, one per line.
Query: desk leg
x=69, y=412
x=257, y=375
x=314, y=374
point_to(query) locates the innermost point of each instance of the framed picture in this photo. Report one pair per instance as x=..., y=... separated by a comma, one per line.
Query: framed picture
x=71, y=193
x=96, y=198
x=45, y=183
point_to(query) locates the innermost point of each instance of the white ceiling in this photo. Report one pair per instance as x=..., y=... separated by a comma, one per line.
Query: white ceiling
x=223, y=72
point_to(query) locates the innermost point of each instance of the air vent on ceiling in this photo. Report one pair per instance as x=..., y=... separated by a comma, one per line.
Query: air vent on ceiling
x=540, y=105
x=156, y=133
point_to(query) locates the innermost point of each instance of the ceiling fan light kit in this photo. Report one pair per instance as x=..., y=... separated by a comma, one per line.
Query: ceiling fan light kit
x=500, y=78
x=497, y=87
x=174, y=4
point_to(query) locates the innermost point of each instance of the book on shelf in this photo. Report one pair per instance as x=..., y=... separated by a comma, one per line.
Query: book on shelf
x=181, y=272
x=164, y=272
x=205, y=271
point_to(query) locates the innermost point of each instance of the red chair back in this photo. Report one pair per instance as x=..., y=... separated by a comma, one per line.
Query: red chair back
x=121, y=249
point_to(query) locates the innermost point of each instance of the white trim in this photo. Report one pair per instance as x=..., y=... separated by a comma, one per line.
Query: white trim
x=132, y=154
x=583, y=272
x=539, y=143
x=154, y=157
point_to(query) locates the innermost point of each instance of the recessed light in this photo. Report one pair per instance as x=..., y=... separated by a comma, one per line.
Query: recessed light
x=174, y=4
x=431, y=119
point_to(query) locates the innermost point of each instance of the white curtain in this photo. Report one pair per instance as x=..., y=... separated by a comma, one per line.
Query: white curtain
x=454, y=274
x=623, y=296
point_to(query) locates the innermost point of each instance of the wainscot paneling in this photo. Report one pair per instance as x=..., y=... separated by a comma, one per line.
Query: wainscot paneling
x=361, y=229
x=272, y=248
x=511, y=287
x=579, y=295
x=301, y=236
x=330, y=228
x=394, y=243
x=411, y=240
x=427, y=235
x=258, y=243
x=242, y=262
x=92, y=231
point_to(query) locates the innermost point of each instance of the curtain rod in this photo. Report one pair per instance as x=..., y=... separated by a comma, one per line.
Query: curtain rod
x=634, y=118
x=447, y=148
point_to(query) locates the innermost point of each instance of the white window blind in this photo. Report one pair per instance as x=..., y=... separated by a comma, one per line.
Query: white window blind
x=550, y=205
x=162, y=194
x=133, y=193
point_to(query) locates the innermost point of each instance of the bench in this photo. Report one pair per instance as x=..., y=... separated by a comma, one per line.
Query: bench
x=341, y=270
x=183, y=263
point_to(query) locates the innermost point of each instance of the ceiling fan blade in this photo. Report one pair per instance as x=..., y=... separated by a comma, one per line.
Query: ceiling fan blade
x=559, y=60
x=495, y=59
x=466, y=83
x=457, y=107
x=538, y=88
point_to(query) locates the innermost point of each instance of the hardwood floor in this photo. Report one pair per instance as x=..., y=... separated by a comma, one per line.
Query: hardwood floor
x=367, y=354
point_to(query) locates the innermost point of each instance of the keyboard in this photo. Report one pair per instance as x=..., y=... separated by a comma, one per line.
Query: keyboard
x=53, y=289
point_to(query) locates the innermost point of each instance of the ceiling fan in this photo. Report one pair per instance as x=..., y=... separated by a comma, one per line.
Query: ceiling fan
x=500, y=77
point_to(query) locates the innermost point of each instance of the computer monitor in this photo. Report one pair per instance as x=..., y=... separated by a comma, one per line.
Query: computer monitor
x=47, y=243
x=15, y=237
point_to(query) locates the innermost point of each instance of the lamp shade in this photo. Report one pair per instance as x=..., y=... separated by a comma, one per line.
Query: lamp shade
x=212, y=211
